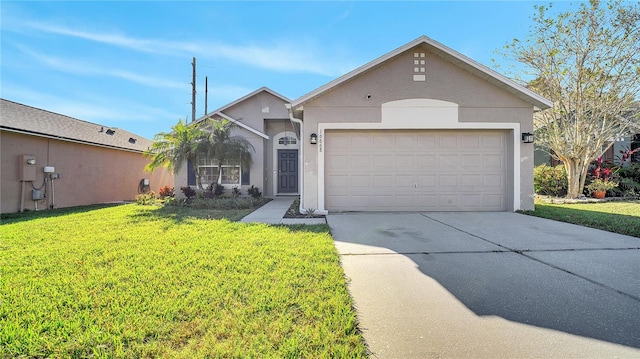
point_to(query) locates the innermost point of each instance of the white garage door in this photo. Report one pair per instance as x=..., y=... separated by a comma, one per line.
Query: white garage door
x=422, y=170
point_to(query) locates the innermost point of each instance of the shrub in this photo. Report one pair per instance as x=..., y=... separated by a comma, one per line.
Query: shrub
x=188, y=192
x=549, y=180
x=218, y=190
x=235, y=192
x=215, y=190
x=146, y=199
x=222, y=203
x=629, y=180
x=599, y=184
x=169, y=201
x=166, y=191
x=254, y=192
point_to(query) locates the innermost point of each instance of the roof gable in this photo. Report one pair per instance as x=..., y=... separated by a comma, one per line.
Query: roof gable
x=15, y=117
x=244, y=98
x=448, y=54
x=220, y=111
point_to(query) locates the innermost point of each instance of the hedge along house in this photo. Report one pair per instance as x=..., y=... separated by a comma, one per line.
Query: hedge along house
x=262, y=118
x=422, y=128
x=53, y=160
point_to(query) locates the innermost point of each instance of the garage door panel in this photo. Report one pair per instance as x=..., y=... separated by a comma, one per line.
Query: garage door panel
x=448, y=141
x=361, y=162
x=470, y=182
x=448, y=182
x=339, y=162
x=428, y=181
x=405, y=181
x=340, y=142
x=405, y=142
x=426, y=161
x=426, y=141
x=493, y=162
x=340, y=183
x=471, y=162
x=361, y=181
x=426, y=170
x=472, y=201
x=404, y=161
x=492, y=201
x=381, y=201
x=384, y=143
x=383, y=181
x=470, y=141
x=449, y=201
x=493, y=141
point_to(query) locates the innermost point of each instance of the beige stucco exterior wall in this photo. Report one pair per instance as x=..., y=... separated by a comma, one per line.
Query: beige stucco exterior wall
x=360, y=100
x=89, y=174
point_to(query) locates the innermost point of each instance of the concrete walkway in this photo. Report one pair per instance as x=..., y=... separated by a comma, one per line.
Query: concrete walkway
x=274, y=212
x=490, y=285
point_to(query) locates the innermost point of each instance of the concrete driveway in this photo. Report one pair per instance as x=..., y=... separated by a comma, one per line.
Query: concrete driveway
x=490, y=285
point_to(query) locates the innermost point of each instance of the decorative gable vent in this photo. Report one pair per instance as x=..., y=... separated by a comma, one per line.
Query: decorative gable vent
x=419, y=66
x=287, y=140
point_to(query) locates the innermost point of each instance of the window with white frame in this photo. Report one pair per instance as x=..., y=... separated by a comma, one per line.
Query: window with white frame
x=209, y=171
x=287, y=140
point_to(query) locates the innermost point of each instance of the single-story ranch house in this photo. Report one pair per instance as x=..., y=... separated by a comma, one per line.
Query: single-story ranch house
x=422, y=128
x=52, y=160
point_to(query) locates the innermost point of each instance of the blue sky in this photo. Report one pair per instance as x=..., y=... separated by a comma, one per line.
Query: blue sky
x=128, y=64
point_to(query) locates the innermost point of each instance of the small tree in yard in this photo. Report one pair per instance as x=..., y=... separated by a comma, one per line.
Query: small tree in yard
x=204, y=139
x=220, y=145
x=588, y=63
x=173, y=149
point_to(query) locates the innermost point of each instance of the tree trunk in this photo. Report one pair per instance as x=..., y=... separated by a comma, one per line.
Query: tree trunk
x=196, y=171
x=576, y=175
x=220, y=174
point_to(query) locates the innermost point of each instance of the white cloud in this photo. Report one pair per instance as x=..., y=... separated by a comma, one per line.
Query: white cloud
x=283, y=56
x=111, y=39
x=83, y=68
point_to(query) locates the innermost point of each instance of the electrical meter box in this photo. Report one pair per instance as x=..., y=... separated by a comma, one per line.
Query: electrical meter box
x=37, y=195
x=27, y=167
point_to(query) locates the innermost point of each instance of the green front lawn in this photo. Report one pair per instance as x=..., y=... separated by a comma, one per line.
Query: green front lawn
x=619, y=216
x=141, y=281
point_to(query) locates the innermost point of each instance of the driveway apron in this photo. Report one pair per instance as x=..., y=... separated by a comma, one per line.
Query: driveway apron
x=490, y=285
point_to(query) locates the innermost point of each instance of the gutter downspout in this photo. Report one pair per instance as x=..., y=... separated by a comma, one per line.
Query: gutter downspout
x=301, y=208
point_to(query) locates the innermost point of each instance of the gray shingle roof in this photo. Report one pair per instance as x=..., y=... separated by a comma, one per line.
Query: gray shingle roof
x=26, y=119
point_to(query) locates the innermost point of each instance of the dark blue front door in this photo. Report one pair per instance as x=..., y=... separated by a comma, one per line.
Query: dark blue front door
x=287, y=171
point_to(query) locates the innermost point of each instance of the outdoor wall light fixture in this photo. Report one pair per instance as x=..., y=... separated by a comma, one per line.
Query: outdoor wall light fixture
x=527, y=137
x=314, y=138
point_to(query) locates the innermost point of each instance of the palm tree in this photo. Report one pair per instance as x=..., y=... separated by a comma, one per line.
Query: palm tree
x=172, y=149
x=220, y=146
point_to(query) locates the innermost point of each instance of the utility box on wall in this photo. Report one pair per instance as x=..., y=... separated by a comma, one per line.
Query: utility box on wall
x=27, y=167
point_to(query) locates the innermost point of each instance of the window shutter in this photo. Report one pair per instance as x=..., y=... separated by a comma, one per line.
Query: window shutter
x=191, y=175
x=246, y=180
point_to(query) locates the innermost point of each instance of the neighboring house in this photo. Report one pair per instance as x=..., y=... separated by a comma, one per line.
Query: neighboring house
x=611, y=155
x=422, y=128
x=83, y=163
x=261, y=118
x=630, y=140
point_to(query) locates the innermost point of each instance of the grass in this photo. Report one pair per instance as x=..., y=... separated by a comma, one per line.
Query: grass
x=617, y=216
x=143, y=281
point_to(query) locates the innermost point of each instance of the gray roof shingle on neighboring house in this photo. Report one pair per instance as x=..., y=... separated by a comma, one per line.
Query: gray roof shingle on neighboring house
x=21, y=118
